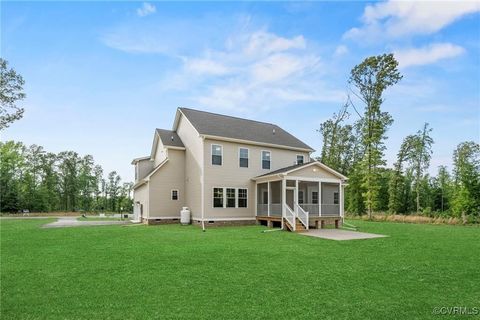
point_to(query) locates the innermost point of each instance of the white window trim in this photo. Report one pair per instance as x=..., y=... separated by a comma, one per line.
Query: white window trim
x=238, y=198
x=225, y=198
x=171, y=195
x=235, y=191
x=248, y=158
x=299, y=155
x=338, y=197
x=213, y=198
x=211, y=154
x=261, y=159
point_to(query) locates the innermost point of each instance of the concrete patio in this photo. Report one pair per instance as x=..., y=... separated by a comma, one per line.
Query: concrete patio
x=340, y=235
x=67, y=222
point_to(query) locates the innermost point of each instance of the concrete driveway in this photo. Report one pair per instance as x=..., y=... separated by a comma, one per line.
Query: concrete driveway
x=339, y=234
x=67, y=222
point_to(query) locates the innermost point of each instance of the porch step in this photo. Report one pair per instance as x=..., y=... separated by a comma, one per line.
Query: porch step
x=299, y=227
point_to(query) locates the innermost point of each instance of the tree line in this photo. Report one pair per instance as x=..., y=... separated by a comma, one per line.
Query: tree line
x=357, y=150
x=40, y=181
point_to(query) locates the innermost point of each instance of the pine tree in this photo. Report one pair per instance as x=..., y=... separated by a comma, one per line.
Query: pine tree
x=371, y=78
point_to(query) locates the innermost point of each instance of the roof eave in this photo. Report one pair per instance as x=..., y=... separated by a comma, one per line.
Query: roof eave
x=134, y=161
x=278, y=146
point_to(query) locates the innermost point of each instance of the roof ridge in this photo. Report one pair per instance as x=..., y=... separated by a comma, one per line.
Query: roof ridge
x=227, y=116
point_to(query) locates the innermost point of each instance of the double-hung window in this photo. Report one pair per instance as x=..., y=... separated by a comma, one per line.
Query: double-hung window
x=266, y=159
x=217, y=152
x=243, y=157
x=300, y=159
x=300, y=197
x=230, y=197
x=218, y=197
x=242, y=198
x=315, y=197
x=335, y=198
x=174, y=194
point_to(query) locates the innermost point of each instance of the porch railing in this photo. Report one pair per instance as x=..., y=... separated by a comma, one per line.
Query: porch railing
x=311, y=208
x=330, y=210
x=276, y=209
x=302, y=215
x=262, y=209
x=290, y=216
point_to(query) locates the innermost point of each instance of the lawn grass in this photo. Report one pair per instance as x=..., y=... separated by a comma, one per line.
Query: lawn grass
x=172, y=271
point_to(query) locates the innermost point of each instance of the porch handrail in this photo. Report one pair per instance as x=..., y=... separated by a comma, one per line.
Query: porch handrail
x=302, y=215
x=290, y=216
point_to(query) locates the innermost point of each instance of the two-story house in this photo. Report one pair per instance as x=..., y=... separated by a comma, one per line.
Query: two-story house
x=229, y=170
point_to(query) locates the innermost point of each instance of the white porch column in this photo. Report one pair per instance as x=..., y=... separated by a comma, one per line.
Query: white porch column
x=319, y=198
x=284, y=195
x=256, y=199
x=295, y=198
x=340, y=186
x=268, y=198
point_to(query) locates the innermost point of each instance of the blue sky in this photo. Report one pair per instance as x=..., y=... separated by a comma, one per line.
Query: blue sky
x=101, y=76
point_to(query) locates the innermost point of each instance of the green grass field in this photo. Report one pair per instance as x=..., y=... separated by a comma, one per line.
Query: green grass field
x=162, y=272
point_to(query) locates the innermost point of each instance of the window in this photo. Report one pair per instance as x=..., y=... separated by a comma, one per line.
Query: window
x=300, y=197
x=335, y=198
x=243, y=155
x=266, y=158
x=174, y=194
x=300, y=159
x=136, y=172
x=315, y=197
x=217, y=154
x=242, y=198
x=218, y=197
x=230, y=198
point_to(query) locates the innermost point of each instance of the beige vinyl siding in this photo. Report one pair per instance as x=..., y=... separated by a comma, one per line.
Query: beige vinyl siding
x=193, y=166
x=170, y=176
x=141, y=195
x=160, y=152
x=144, y=167
x=313, y=171
x=231, y=175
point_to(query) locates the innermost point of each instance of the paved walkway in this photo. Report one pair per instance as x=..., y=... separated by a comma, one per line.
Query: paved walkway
x=66, y=222
x=339, y=234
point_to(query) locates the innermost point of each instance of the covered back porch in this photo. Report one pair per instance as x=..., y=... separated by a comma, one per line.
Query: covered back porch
x=299, y=202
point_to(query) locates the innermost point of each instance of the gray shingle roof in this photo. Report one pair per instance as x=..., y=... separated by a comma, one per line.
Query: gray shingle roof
x=237, y=128
x=170, y=138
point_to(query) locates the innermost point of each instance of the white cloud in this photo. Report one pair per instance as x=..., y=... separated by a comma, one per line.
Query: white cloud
x=239, y=67
x=427, y=55
x=265, y=71
x=254, y=70
x=262, y=42
x=146, y=9
x=341, y=50
x=205, y=66
x=401, y=18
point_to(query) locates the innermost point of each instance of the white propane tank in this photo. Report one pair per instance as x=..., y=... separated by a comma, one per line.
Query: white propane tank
x=185, y=216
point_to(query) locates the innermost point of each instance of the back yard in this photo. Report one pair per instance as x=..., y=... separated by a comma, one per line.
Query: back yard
x=142, y=272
